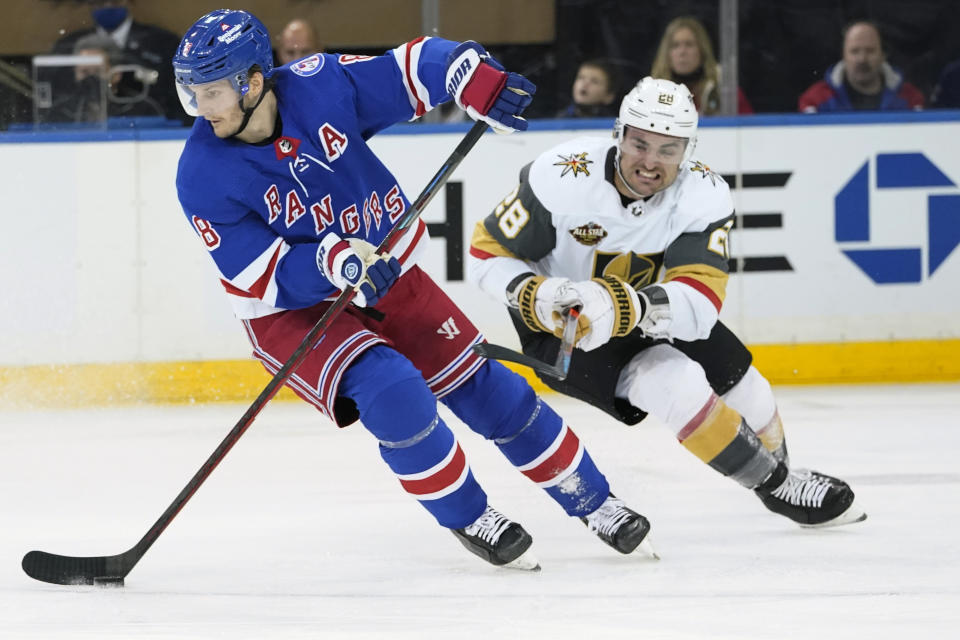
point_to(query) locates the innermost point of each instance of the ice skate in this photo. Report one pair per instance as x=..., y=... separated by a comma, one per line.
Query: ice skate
x=620, y=527
x=809, y=498
x=499, y=541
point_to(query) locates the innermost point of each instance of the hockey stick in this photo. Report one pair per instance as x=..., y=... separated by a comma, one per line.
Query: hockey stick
x=57, y=569
x=557, y=370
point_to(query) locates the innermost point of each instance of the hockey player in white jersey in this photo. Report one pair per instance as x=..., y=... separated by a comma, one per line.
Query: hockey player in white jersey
x=634, y=232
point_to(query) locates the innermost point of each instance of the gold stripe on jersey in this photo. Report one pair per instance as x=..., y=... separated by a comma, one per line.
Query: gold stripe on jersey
x=483, y=241
x=715, y=280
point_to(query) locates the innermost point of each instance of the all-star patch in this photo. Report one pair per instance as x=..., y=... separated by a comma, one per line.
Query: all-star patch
x=588, y=234
x=576, y=162
x=707, y=172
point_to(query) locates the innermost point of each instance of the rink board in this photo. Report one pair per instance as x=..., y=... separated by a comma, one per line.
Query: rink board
x=846, y=252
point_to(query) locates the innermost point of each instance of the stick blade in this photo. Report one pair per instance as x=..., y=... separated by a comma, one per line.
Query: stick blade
x=57, y=569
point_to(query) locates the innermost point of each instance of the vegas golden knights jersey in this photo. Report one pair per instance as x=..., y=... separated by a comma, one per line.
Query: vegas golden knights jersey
x=567, y=219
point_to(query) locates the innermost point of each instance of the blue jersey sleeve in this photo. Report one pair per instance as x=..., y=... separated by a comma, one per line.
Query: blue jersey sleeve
x=400, y=85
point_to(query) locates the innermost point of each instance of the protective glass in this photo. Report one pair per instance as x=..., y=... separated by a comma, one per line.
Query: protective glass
x=208, y=98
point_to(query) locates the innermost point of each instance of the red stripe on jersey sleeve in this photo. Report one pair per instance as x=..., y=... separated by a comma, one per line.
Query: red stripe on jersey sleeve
x=236, y=290
x=260, y=286
x=481, y=254
x=417, y=237
x=702, y=288
x=421, y=109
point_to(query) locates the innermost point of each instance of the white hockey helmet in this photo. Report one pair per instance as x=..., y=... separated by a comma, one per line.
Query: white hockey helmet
x=660, y=106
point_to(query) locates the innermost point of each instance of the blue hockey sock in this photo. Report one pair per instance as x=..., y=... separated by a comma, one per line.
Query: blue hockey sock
x=501, y=406
x=398, y=408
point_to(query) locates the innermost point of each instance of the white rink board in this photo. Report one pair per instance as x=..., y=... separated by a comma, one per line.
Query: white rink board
x=100, y=265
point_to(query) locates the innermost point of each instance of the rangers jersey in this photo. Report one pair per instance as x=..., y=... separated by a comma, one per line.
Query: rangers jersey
x=262, y=209
x=567, y=219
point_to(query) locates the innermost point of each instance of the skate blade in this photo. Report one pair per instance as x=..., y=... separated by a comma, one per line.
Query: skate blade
x=646, y=547
x=853, y=514
x=526, y=562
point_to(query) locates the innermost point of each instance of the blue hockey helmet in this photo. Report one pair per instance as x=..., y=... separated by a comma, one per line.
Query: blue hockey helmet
x=224, y=44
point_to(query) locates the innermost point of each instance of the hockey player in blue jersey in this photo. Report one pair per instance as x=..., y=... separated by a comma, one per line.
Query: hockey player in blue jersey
x=278, y=182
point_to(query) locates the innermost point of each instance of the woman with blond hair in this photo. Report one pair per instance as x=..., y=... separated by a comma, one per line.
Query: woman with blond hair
x=685, y=55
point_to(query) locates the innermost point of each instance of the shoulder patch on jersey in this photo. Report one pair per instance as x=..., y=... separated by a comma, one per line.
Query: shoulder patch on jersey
x=575, y=162
x=589, y=234
x=308, y=66
x=705, y=172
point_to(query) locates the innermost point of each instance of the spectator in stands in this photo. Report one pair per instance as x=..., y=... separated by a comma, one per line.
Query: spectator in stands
x=297, y=40
x=946, y=95
x=86, y=101
x=127, y=93
x=862, y=80
x=595, y=91
x=144, y=45
x=685, y=56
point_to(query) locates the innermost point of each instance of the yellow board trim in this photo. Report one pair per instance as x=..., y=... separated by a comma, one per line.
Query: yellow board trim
x=80, y=385
x=859, y=362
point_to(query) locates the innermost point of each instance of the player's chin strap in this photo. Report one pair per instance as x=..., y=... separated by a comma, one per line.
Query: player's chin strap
x=616, y=163
x=248, y=112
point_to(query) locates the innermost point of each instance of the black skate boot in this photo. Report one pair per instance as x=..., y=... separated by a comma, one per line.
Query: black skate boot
x=499, y=541
x=619, y=526
x=809, y=498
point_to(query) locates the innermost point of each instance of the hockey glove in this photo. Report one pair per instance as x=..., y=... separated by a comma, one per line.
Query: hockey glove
x=655, y=315
x=539, y=301
x=609, y=306
x=355, y=263
x=481, y=87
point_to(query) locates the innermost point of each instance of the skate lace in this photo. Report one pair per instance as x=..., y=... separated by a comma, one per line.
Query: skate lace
x=803, y=489
x=489, y=526
x=609, y=517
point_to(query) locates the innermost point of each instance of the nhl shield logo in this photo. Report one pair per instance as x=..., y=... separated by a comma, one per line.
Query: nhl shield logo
x=589, y=234
x=308, y=66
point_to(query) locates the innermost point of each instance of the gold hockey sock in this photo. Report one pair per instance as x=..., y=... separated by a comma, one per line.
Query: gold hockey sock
x=719, y=436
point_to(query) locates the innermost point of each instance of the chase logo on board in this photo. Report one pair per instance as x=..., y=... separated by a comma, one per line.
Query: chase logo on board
x=308, y=66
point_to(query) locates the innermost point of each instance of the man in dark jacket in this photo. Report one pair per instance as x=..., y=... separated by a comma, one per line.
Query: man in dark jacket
x=141, y=44
x=862, y=80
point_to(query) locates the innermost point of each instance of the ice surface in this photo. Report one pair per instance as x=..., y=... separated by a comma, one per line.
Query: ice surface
x=303, y=532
